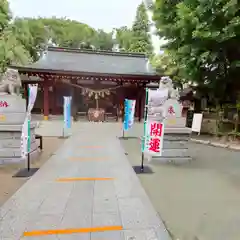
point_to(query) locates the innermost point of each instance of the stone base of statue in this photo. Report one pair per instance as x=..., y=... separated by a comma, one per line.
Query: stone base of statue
x=175, y=143
x=12, y=116
x=164, y=107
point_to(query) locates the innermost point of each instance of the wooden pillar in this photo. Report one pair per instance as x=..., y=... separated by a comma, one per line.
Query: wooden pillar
x=73, y=103
x=143, y=100
x=140, y=104
x=54, y=100
x=122, y=97
x=26, y=94
x=45, y=100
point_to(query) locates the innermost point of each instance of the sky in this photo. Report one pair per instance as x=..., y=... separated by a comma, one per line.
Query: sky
x=104, y=14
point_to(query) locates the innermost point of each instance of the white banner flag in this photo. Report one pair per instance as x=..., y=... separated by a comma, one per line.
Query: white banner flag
x=24, y=139
x=154, y=138
x=32, y=95
x=25, y=136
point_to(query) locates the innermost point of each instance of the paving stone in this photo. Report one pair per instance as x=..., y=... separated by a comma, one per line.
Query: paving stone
x=75, y=236
x=107, y=204
x=107, y=235
x=44, y=204
x=47, y=237
x=14, y=223
x=44, y=222
x=105, y=189
x=125, y=187
x=76, y=219
x=55, y=204
x=146, y=234
x=135, y=215
x=106, y=219
x=6, y=230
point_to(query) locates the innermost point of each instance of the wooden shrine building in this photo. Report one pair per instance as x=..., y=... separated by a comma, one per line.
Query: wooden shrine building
x=96, y=80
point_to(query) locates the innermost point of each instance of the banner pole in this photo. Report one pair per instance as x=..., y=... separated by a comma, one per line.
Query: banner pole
x=64, y=116
x=29, y=147
x=125, y=119
x=144, y=131
x=26, y=134
x=29, y=136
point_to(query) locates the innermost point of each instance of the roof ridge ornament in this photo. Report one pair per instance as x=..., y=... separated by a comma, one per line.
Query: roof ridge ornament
x=96, y=51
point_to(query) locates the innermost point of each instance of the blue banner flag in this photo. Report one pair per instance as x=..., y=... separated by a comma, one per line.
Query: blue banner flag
x=67, y=112
x=129, y=110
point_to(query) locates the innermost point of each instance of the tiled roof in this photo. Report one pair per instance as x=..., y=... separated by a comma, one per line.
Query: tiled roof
x=90, y=61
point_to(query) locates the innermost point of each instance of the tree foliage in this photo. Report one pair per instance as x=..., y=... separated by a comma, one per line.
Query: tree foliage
x=62, y=33
x=11, y=49
x=137, y=38
x=22, y=40
x=203, y=38
x=141, y=40
x=165, y=65
x=124, y=38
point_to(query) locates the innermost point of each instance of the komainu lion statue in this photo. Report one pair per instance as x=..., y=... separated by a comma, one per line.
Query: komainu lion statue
x=166, y=82
x=10, y=82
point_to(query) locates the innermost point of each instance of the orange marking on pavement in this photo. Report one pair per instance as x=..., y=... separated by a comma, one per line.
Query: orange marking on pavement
x=87, y=159
x=72, y=231
x=82, y=179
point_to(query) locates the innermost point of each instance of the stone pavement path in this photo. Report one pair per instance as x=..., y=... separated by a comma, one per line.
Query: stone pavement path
x=58, y=203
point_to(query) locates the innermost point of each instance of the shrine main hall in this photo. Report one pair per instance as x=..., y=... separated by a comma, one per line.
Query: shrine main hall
x=97, y=81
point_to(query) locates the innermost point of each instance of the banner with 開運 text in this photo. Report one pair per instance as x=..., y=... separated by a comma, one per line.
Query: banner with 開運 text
x=154, y=118
x=154, y=138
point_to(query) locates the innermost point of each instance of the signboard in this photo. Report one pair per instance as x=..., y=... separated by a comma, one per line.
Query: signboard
x=154, y=118
x=173, y=108
x=129, y=110
x=197, y=122
x=154, y=138
x=67, y=112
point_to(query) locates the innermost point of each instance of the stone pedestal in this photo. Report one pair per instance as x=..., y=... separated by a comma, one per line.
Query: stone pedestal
x=12, y=116
x=163, y=107
x=175, y=143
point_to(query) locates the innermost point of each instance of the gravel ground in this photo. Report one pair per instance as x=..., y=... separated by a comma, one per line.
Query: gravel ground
x=198, y=200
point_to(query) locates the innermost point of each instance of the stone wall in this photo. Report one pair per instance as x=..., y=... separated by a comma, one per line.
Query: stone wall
x=209, y=126
x=12, y=116
x=10, y=144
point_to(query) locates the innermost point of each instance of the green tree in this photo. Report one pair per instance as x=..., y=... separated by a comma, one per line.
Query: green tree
x=124, y=38
x=66, y=33
x=204, y=38
x=11, y=49
x=165, y=65
x=103, y=40
x=5, y=15
x=141, y=39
